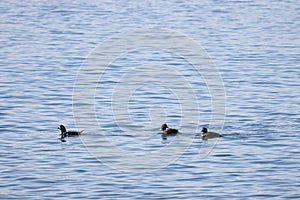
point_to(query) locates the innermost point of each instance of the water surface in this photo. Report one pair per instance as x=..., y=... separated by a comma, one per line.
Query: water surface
x=255, y=46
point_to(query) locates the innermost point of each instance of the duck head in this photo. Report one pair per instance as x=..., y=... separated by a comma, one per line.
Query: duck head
x=164, y=127
x=204, y=130
x=62, y=128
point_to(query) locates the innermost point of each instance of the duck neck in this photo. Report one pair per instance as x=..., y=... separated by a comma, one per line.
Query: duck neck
x=63, y=129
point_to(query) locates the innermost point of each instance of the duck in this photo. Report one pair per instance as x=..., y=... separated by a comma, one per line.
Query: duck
x=166, y=130
x=65, y=133
x=209, y=135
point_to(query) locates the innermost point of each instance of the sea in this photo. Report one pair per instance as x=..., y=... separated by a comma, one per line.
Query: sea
x=120, y=69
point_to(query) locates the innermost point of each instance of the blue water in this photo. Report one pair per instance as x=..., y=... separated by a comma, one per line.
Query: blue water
x=254, y=44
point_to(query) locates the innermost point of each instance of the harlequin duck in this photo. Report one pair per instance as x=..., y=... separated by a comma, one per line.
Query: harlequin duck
x=65, y=133
x=209, y=135
x=166, y=130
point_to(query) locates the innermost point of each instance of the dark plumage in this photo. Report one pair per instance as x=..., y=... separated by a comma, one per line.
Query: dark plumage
x=209, y=135
x=65, y=133
x=166, y=130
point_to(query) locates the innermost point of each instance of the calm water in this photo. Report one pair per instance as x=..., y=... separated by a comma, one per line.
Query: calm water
x=254, y=44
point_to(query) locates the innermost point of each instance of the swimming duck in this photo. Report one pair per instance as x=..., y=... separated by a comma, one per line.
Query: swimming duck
x=166, y=130
x=209, y=135
x=65, y=133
